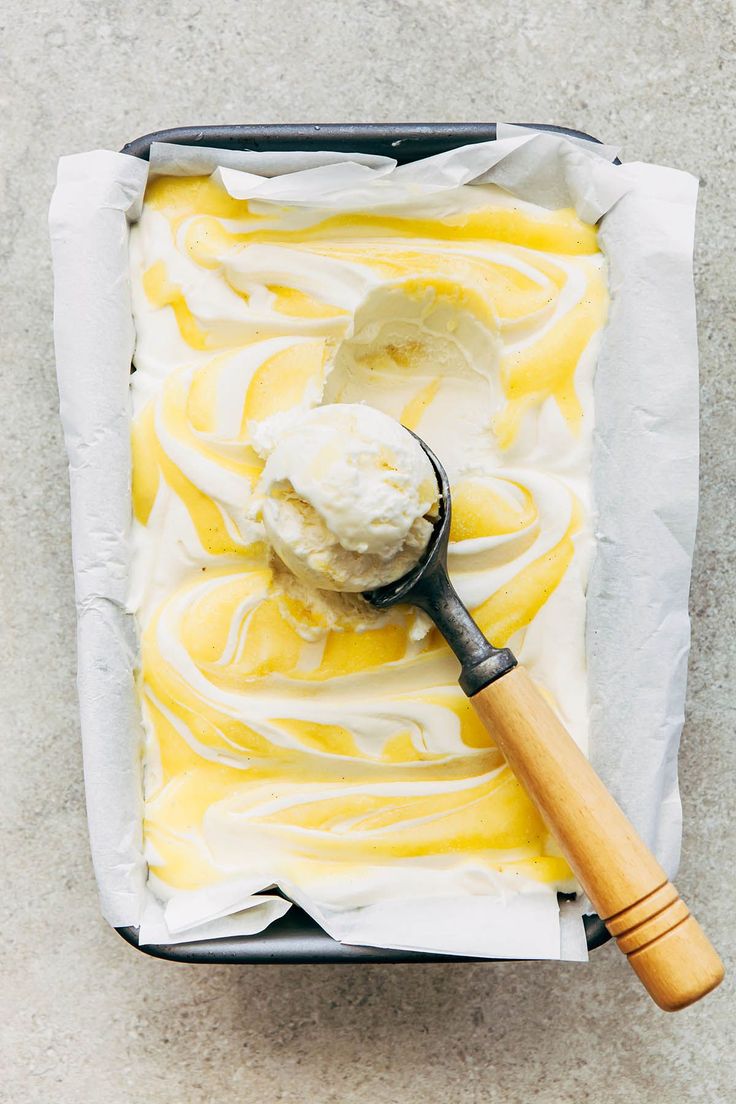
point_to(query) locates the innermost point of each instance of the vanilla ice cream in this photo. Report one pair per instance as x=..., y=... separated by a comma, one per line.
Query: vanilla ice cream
x=348, y=497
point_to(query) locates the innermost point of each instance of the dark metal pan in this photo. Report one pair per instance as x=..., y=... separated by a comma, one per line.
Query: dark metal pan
x=296, y=938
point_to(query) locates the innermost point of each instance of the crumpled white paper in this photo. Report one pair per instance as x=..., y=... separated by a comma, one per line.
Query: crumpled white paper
x=645, y=483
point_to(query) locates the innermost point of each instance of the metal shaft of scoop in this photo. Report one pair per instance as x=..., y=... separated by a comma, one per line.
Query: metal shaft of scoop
x=428, y=586
x=480, y=661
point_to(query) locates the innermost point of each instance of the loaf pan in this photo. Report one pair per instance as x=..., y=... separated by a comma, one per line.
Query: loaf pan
x=296, y=938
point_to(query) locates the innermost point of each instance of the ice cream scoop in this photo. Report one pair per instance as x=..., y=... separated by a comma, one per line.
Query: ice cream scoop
x=348, y=498
x=627, y=886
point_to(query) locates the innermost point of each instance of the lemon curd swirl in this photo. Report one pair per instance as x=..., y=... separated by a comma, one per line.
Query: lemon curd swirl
x=300, y=738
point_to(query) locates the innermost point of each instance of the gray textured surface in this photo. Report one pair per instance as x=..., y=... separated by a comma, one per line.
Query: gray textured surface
x=85, y=1018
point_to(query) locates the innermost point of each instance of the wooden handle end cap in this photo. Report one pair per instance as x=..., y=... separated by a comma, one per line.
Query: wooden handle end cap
x=678, y=967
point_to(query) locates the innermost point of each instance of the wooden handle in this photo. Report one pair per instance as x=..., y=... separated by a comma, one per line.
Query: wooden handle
x=627, y=886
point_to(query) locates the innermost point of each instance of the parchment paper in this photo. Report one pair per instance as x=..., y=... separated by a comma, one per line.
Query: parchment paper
x=645, y=485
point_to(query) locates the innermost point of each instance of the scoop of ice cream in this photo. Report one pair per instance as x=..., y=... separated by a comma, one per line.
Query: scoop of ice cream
x=348, y=497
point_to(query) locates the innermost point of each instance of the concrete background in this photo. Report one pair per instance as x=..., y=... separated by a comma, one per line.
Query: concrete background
x=85, y=1018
